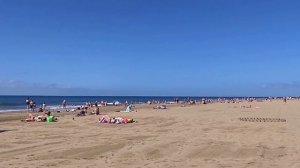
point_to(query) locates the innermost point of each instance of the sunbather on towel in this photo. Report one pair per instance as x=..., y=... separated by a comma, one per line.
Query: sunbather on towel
x=32, y=118
x=115, y=120
x=160, y=107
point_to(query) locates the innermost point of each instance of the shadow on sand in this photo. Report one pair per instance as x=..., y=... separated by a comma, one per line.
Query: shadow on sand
x=1, y=131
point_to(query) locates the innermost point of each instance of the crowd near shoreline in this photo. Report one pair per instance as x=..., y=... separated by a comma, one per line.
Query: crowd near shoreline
x=240, y=132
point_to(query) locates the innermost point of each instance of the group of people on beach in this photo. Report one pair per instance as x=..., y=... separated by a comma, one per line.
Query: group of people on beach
x=30, y=104
x=93, y=108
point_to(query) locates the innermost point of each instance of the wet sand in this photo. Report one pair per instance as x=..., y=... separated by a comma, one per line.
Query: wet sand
x=206, y=136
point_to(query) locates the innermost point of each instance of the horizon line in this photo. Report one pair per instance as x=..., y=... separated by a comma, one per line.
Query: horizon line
x=145, y=96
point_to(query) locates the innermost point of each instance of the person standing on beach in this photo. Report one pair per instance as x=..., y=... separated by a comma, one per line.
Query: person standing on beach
x=34, y=106
x=284, y=99
x=44, y=107
x=177, y=100
x=31, y=105
x=64, y=104
x=27, y=103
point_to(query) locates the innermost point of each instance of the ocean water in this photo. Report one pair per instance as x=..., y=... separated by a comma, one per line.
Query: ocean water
x=17, y=103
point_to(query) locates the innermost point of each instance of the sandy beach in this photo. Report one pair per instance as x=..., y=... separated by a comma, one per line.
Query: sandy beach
x=206, y=136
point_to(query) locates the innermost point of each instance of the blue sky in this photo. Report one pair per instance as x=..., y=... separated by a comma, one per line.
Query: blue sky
x=143, y=47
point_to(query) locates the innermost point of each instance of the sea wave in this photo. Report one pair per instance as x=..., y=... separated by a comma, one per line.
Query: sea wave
x=12, y=110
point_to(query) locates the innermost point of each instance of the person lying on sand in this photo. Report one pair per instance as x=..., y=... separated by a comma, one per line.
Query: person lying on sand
x=246, y=106
x=250, y=107
x=32, y=118
x=160, y=107
x=41, y=118
x=115, y=120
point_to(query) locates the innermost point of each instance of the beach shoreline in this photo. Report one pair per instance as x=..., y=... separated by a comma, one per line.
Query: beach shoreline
x=201, y=135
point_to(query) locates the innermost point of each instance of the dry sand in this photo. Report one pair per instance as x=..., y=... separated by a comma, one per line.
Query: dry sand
x=206, y=136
